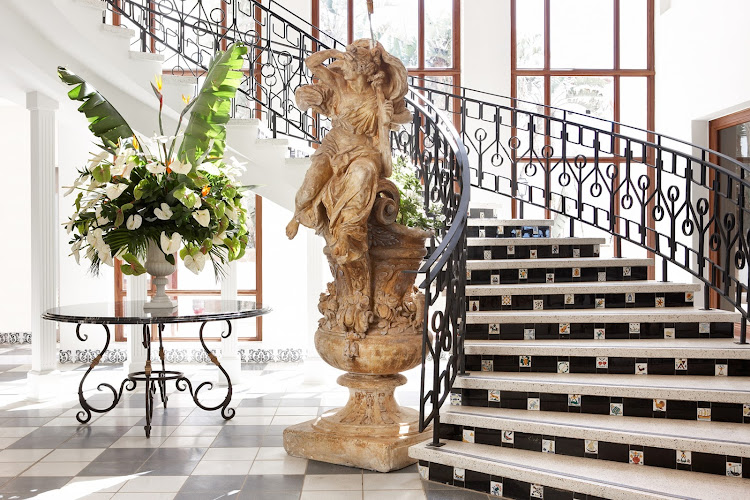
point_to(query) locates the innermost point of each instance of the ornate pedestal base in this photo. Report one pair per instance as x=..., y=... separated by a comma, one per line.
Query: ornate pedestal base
x=372, y=431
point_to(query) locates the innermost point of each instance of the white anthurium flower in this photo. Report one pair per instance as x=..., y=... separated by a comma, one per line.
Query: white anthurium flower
x=122, y=251
x=163, y=213
x=114, y=190
x=202, y=216
x=231, y=213
x=195, y=263
x=76, y=250
x=180, y=168
x=218, y=239
x=128, y=169
x=198, y=202
x=100, y=221
x=134, y=222
x=164, y=139
x=105, y=255
x=170, y=245
x=90, y=252
x=69, y=225
x=72, y=188
x=156, y=168
x=209, y=168
x=96, y=160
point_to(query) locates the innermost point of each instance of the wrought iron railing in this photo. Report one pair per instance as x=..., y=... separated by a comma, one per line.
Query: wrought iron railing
x=189, y=36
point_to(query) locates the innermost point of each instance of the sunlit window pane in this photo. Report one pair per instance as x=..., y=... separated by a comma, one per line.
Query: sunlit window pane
x=332, y=20
x=633, y=98
x=438, y=34
x=530, y=34
x=633, y=36
x=530, y=89
x=581, y=34
x=395, y=25
x=587, y=95
x=246, y=265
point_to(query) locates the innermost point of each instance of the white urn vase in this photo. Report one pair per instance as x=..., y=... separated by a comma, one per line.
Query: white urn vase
x=159, y=268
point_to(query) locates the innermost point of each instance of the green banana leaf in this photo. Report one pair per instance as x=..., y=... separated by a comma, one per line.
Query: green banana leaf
x=105, y=121
x=206, y=133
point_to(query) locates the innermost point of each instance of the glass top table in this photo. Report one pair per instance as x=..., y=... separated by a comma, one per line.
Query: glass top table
x=132, y=313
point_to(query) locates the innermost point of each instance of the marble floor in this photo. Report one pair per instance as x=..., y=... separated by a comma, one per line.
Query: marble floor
x=192, y=454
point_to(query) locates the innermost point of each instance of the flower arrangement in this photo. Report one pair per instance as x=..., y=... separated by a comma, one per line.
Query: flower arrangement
x=137, y=191
x=411, y=211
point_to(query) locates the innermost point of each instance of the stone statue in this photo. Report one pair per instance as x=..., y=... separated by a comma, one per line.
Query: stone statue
x=372, y=313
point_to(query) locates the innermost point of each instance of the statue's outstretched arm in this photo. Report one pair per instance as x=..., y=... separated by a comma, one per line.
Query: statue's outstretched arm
x=328, y=77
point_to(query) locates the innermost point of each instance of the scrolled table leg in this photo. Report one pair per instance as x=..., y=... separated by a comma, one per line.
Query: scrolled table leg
x=85, y=414
x=183, y=383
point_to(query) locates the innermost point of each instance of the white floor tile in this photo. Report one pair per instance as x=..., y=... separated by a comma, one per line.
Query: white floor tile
x=143, y=496
x=257, y=420
x=55, y=469
x=222, y=468
x=73, y=455
x=156, y=431
x=311, y=411
x=97, y=496
x=139, y=442
x=96, y=484
x=290, y=420
x=331, y=495
x=389, y=495
x=23, y=455
x=154, y=484
x=231, y=454
x=188, y=442
x=119, y=421
x=10, y=469
x=402, y=481
x=197, y=431
x=5, y=442
x=323, y=482
x=287, y=466
x=7, y=432
x=272, y=453
x=259, y=411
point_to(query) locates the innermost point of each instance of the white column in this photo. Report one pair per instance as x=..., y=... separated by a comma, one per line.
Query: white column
x=137, y=288
x=230, y=356
x=44, y=244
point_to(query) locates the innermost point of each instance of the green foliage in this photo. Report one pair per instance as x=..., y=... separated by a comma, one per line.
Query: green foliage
x=411, y=211
x=106, y=122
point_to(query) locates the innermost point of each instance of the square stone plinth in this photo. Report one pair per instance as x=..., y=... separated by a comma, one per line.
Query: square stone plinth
x=373, y=453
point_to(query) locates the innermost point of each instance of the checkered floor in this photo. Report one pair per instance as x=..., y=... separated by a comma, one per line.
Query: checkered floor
x=192, y=454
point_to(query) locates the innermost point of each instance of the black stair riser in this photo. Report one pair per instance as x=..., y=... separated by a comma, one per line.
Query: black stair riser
x=547, y=331
x=544, y=251
x=580, y=301
x=600, y=405
x=561, y=275
x=511, y=488
x=615, y=365
x=509, y=232
x=666, y=458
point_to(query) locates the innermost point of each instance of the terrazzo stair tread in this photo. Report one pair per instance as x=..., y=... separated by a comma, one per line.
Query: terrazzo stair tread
x=592, y=477
x=671, y=387
x=599, y=287
x=719, y=438
x=621, y=348
x=490, y=264
x=619, y=315
x=537, y=240
x=478, y=221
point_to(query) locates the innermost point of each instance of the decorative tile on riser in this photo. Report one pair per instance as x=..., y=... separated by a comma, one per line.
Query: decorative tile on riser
x=542, y=331
x=491, y=231
x=544, y=251
x=580, y=301
x=561, y=275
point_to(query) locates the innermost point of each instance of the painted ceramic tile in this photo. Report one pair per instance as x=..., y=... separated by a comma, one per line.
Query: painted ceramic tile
x=634, y=327
x=500, y=230
x=529, y=334
x=635, y=457
x=615, y=409
x=532, y=404
x=537, y=491
x=507, y=300
x=669, y=333
x=734, y=469
x=680, y=363
x=455, y=399
x=600, y=333
x=689, y=296
x=548, y=446
x=508, y=437
x=563, y=328
x=704, y=327
x=720, y=370
x=563, y=367
x=630, y=298
x=524, y=361
x=473, y=305
x=659, y=302
x=555, y=249
x=600, y=303
x=533, y=253
x=496, y=489
x=602, y=362
x=591, y=446
x=493, y=396
x=494, y=279
x=660, y=405
x=468, y=436
x=494, y=329
x=746, y=410
x=596, y=249
x=538, y=304
x=523, y=274
x=487, y=365
x=641, y=368
x=570, y=299
x=468, y=274
x=684, y=457
x=535, y=230
x=574, y=400
x=424, y=472
x=459, y=474
x=550, y=277
x=576, y=272
x=482, y=233
x=627, y=271
x=704, y=414
x=488, y=255
x=481, y=214
x=576, y=253
x=511, y=249
x=601, y=276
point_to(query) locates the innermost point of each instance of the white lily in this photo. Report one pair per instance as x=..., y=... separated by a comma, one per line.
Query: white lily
x=218, y=239
x=170, y=245
x=76, y=250
x=156, y=168
x=163, y=213
x=195, y=263
x=209, y=168
x=202, y=216
x=180, y=168
x=114, y=190
x=134, y=222
x=96, y=160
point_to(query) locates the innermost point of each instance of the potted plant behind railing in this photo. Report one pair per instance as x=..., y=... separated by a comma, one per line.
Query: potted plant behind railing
x=145, y=200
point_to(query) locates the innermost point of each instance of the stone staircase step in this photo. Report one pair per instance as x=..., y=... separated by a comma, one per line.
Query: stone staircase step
x=491, y=264
x=535, y=241
x=484, y=221
x=526, y=474
x=718, y=438
x=598, y=287
x=683, y=388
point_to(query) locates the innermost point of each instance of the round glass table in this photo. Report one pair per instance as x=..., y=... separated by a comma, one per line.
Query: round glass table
x=132, y=313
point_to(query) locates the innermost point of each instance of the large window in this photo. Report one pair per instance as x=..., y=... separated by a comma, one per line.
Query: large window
x=424, y=34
